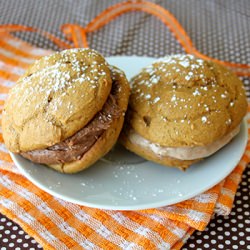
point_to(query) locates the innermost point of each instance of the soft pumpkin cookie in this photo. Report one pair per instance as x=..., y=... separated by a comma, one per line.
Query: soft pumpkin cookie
x=65, y=108
x=183, y=109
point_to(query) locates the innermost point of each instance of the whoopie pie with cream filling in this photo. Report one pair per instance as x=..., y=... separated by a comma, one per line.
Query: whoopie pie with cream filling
x=67, y=110
x=183, y=109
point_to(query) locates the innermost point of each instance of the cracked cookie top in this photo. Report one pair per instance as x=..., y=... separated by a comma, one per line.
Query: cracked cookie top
x=57, y=96
x=181, y=100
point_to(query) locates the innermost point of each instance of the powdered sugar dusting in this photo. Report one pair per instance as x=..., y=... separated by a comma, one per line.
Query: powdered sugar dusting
x=175, y=63
x=53, y=75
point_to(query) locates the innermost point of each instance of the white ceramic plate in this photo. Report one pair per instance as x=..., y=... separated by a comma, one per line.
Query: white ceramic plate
x=124, y=181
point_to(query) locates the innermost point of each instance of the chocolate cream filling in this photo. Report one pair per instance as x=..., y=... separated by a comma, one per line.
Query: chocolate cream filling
x=74, y=147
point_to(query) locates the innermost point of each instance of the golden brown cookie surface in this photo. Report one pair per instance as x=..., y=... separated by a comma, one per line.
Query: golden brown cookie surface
x=181, y=100
x=56, y=97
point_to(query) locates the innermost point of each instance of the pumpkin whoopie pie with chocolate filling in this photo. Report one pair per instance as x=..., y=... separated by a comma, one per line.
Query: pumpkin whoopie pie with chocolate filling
x=183, y=109
x=66, y=111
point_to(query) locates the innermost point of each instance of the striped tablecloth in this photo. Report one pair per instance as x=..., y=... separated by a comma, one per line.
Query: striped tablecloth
x=219, y=29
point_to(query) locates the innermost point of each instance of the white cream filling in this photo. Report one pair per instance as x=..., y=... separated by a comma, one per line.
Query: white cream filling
x=183, y=153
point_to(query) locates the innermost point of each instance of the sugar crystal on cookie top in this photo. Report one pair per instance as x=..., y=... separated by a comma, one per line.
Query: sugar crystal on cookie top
x=204, y=119
x=196, y=92
x=156, y=99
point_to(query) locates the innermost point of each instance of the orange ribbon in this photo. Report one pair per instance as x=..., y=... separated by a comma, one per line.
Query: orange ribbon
x=78, y=35
x=16, y=28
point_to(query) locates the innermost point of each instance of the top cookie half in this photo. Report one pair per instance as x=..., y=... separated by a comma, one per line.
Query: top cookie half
x=58, y=95
x=182, y=100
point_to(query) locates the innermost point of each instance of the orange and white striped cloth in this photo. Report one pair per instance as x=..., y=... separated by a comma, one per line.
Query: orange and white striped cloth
x=57, y=224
